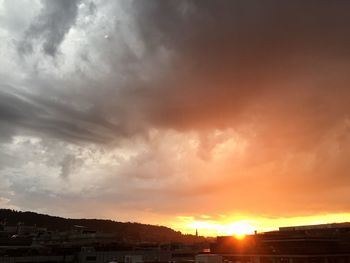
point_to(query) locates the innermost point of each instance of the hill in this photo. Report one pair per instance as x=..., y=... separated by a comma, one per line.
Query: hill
x=125, y=231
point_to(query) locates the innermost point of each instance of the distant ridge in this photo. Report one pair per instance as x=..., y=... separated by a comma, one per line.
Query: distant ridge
x=124, y=231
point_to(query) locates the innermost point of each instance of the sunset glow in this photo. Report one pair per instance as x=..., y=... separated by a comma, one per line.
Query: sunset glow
x=227, y=117
x=240, y=225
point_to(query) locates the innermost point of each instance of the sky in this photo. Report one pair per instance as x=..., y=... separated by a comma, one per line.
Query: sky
x=202, y=114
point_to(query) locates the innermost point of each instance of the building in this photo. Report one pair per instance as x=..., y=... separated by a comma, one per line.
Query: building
x=317, y=243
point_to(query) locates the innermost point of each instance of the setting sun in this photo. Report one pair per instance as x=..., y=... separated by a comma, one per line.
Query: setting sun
x=239, y=229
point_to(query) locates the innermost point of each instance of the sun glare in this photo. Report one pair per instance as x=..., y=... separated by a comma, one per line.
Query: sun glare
x=239, y=229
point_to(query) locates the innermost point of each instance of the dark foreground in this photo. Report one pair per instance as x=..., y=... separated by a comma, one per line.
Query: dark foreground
x=319, y=243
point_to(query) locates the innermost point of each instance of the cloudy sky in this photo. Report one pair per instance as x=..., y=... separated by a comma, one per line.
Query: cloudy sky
x=185, y=113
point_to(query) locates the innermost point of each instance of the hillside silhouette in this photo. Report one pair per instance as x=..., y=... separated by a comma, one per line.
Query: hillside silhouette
x=127, y=231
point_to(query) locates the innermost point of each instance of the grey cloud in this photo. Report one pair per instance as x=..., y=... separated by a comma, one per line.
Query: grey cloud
x=276, y=72
x=92, y=8
x=51, y=26
x=22, y=110
x=225, y=58
x=68, y=163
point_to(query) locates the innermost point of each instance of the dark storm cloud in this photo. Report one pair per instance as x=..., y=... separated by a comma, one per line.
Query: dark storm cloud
x=229, y=53
x=50, y=27
x=244, y=30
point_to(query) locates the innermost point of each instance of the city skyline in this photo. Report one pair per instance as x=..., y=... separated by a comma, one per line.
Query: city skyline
x=222, y=116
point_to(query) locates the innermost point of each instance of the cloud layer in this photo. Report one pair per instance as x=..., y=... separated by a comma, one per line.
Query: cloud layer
x=159, y=109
